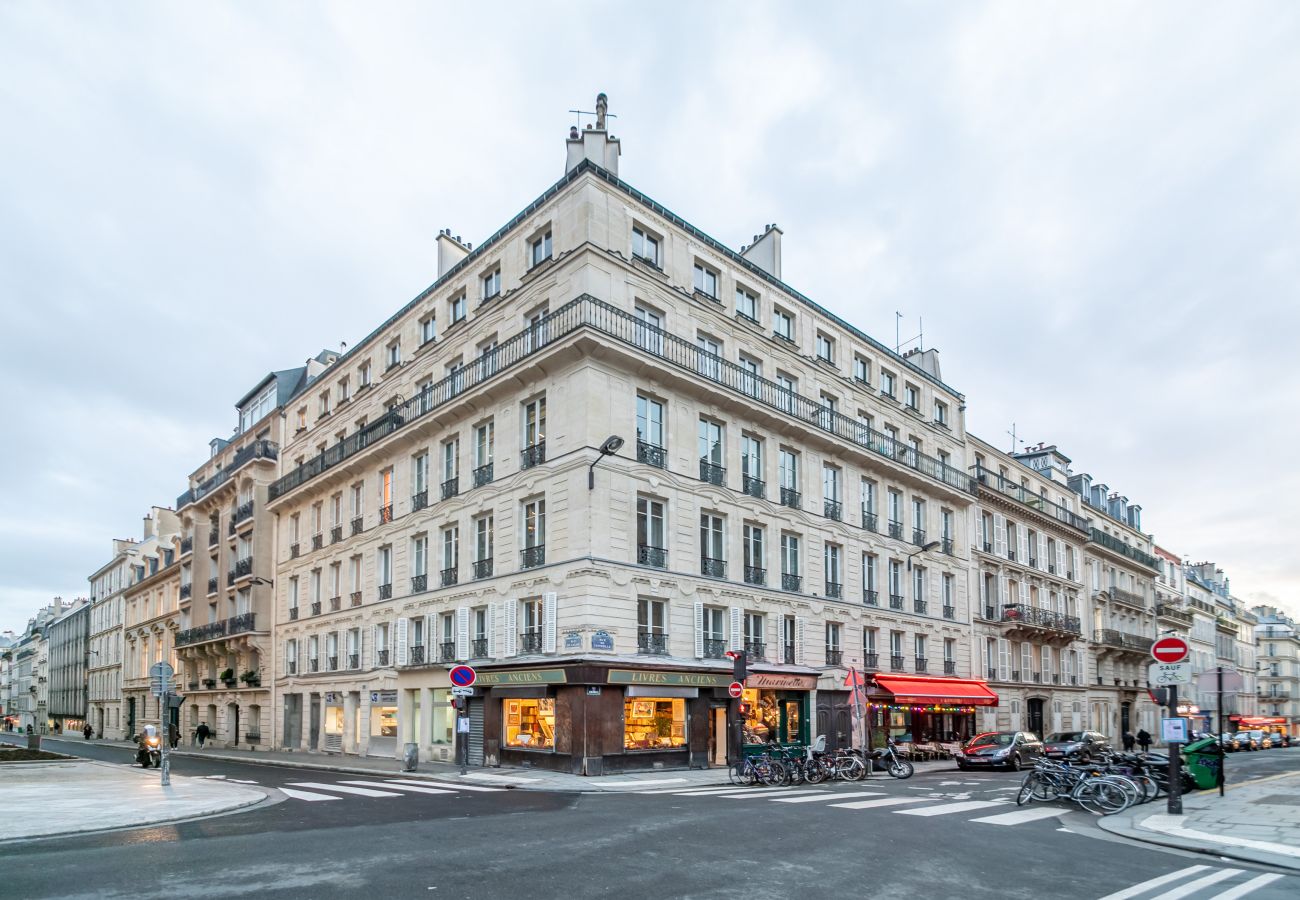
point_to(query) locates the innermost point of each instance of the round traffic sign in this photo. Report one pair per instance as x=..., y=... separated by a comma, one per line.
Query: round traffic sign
x=1170, y=650
x=462, y=676
x=735, y=689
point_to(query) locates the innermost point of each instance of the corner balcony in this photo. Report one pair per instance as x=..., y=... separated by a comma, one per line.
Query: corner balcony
x=213, y=631
x=995, y=483
x=1174, y=613
x=255, y=450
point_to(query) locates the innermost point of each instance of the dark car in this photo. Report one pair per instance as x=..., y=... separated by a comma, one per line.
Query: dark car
x=1011, y=749
x=1083, y=746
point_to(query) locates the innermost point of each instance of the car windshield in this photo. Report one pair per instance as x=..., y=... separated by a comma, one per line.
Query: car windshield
x=999, y=739
x=1065, y=737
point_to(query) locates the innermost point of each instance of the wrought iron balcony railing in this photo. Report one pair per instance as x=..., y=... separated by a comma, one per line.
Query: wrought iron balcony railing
x=651, y=556
x=834, y=656
x=834, y=590
x=532, y=557
x=358, y=525
x=869, y=521
x=533, y=456
x=450, y=488
x=653, y=643
x=791, y=498
x=530, y=641
x=1041, y=618
x=713, y=568
x=871, y=660
x=415, y=656
x=896, y=530
x=447, y=651
x=450, y=576
x=994, y=481
x=711, y=473
x=920, y=606
x=478, y=648
x=950, y=667
x=897, y=664
x=419, y=500
x=483, y=568
x=651, y=454
x=832, y=509
x=1115, y=545
x=223, y=628
x=419, y=584
x=355, y=597
x=895, y=601
x=1111, y=637
x=386, y=591
x=756, y=650
x=920, y=663
x=714, y=648
x=755, y=575
x=754, y=487
x=260, y=449
x=483, y=475
x=871, y=598
x=791, y=582
x=336, y=534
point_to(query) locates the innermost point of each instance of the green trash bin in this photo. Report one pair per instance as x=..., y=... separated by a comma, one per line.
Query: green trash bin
x=1204, y=760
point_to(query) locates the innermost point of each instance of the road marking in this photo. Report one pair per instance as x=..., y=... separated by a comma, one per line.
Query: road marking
x=784, y=794
x=1154, y=883
x=242, y=781
x=826, y=795
x=722, y=792
x=642, y=782
x=946, y=808
x=1242, y=890
x=1022, y=815
x=443, y=784
x=486, y=777
x=872, y=804
x=306, y=795
x=1184, y=890
x=343, y=789
x=401, y=787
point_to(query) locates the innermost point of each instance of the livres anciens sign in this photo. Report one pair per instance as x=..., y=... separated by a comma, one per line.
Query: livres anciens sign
x=523, y=676
x=683, y=679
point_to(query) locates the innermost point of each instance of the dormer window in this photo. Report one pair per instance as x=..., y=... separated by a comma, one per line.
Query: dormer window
x=645, y=246
x=260, y=406
x=492, y=284
x=539, y=250
x=706, y=281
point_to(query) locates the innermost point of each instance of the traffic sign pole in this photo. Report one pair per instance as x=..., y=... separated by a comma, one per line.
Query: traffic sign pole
x=1174, y=806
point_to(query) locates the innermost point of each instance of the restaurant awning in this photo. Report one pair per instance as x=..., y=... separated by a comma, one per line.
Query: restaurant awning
x=937, y=691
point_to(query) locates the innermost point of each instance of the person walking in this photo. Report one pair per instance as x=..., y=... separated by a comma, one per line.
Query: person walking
x=87, y=731
x=1129, y=741
x=203, y=731
x=1144, y=740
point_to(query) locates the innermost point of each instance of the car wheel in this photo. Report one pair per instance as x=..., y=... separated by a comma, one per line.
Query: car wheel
x=963, y=767
x=1013, y=764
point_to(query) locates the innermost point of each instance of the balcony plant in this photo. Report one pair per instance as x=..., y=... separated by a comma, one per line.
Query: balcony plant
x=228, y=677
x=209, y=683
x=251, y=678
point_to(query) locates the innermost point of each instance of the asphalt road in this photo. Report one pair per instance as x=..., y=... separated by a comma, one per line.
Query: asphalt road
x=921, y=838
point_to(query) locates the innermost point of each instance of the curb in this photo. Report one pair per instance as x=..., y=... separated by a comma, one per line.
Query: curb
x=1127, y=830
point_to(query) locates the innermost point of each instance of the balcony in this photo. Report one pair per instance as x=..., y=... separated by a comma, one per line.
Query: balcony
x=315, y=607
x=755, y=575
x=918, y=537
x=187, y=590
x=1174, y=612
x=713, y=568
x=1128, y=598
x=385, y=514
x=214, y=537
x=532, y=557
x=419, y=500
x=482, y=568
x=243, y=513
x=336, y=534
x=255, y=450
x=833, y=509
x=869, y=521
x=448, y=577
x=313, y=665
x=1115, y=545
x=754, y=487
x=834, y=656
x=240, y=624
x=243, y=568
x=317, y=541
x=651, y=556
x=295, y=550
x=895, y=601
x=450, y=488
x=354, y=660
x=710, y=473
x=950, y=612
x=478, y=648
x=921, y=607
x=871, y=598
x=994, y=482
x=714, y=648
x=651, y=454
x=336, y=603
x=1109, y=637
x=447, y=651
x=530, y=641
x=1032, y=617
x=419, y=584
x=533, y=456
x=386, y=591
x=787, y=654
x=588, y=313
x=950, y=667
x=946, y=546
x=652, y=643
x=791, y=498
x=921, y=664
x=791, y=582
x=187, y=545
x=896, y=530
x=415, y=656
x=755, y=650
x=897, y=664
x=355, y=598
x=331, y=664
x=357, y=525
x=834, y=590
x=483, y=475
x=1276, y=697
x=293, y=613
x=871, y=661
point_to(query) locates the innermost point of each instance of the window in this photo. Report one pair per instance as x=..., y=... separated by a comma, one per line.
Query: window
x=384, y=565
x=419, y=556
x=450, y=550
x=645, y=246
x=420, y=476
x=654, y=724
x=830, y=484
x=651, y=616
x=831, y=555
x=483, y=539
x=751, y=465
x=714, y=631
x=529, y=724
x=755, y=560
x=363, y=374
x=534, y=524
x=918, y=521
x=895, y=584
x=941, y=413
x=484, y=444
x=649, y=422
x=868, y=489
x=323, y=405
x=949, y=592
x=385, y=496
x=919, y=646
x=752, y=371
x=825, y=348
x=706, y=281
x=712, y=546
x=869, y=579
x=919, y=603
x=539, y=251
x=534, y=422
x=492, y=284
x=746, y=304
x=393, y=354
x=344, y=390
x=833, y=647
x=787, y=473
x=895, y=514
x=650, y=532
x=783, y=325
x=649, y=330
x=711, y=452
x=458, y=308
x=787, y=390
x=911, y=397
x=861, y=370
x=790, y=558
x=254, y=412
x=537, y=331
x=428, y=329
x=887, y=384
x=710, y=364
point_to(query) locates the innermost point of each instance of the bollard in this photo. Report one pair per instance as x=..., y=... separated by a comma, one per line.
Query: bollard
x=410, y=757
x=33, y=742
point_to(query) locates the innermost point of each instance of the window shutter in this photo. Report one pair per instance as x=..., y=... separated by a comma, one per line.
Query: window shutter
x=1022, y=534
x=1026, y=659
x=1074, y=564
x=799, y=657
x=1047, y=660
x=512, y=629
x=1004, y=659
x=550, y=605
x=1002, y=590
x=1024, y=593
x=1042, y=554
x=374, y=643
x=401, y=642
x=1000, y=534
x=462, y=632
x=737, y=629
x=492, y=631
x=699, y=629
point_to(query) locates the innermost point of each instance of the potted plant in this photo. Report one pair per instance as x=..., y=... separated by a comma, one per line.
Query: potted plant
x=209, y=683
x=228, y=677
x=251, y=678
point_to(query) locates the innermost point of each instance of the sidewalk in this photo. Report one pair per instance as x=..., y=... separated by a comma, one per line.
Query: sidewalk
x=524, y=779
x=78, y=796
x=1255, y=821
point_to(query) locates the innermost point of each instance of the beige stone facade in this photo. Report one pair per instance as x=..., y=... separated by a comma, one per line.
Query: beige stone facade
x=150, y=616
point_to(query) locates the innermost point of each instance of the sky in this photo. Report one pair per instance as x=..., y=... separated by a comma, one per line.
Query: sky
x=1093, y=208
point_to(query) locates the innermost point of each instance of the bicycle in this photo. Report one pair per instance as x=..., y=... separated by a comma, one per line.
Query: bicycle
x=757, y=769
x=1093, y=790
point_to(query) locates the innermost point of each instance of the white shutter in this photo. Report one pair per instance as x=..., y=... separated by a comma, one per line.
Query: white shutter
x=550, y=608
x=737, y=629
x=492, y=631
x=1022, y=533
x=374, y=644
x=699, y=629
x=1004, y=659
x=1026, y=659
x=1024, y=593
x=799, y=656
x=512, y=628
x=401, y=642
x=999, y=535
x=1002, y=591
x=1047, y=663
x=1074, y=565
x=462, y=632
x=1043, y=561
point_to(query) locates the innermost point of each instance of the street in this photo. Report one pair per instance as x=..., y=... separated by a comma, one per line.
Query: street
x=339, y=835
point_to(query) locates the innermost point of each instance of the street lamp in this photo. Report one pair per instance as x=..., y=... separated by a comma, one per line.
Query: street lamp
x=609, y=448
x=925, y=548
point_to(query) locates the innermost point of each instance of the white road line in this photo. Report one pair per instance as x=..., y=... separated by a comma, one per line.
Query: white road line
x=872, y=804
x=1242, y=890
x=401, y=787
x=826, y=795
x=1023, y=815
x=343, y=789
x=242, y=781
x=722, y=792
x=306, y=795
x=511, y=778
x=948, y=808
x=1154, y=883
x=784, y=794
x=1185, y=890
x=642, y=782
x=443, y=784
x=702, y=792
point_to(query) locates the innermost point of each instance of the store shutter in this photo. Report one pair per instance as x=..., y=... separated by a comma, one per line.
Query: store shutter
x=550, y=610
x=699, y=629
x=401, y=641
x=462, y=632
x=737, y=629
x=512, y=633
x=475, y=731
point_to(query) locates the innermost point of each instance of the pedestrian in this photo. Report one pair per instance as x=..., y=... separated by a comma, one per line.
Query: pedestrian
x=87, y=731
x=1144, y=740
x=173, y=735
x=203, y=731
x=1129, y=741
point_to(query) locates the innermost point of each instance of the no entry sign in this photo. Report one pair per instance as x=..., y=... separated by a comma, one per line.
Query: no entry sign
x=462, y=676
x=1170, y=650
x=735, y=689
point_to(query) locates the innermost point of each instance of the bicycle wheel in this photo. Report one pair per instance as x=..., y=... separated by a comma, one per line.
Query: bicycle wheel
x=1026, y=793
x=737, y=773
x=1130, y=789
x=1150, y=789
x=774, y=775
x=1101, y=797
x=814, y=772
x=854, y=770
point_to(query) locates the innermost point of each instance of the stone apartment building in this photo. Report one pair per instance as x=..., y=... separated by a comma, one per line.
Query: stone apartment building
x=68, y=637
x=104, y=667
x=600, y=451
x=150, y=617
x=1278, y=654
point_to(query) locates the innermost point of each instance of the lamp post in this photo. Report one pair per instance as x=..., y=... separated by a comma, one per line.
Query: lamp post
x=609, y=448
x=925, y=548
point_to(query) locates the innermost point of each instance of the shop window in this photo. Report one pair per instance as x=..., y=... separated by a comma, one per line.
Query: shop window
x=652, y=724
x=530, y=724
x=772, y=717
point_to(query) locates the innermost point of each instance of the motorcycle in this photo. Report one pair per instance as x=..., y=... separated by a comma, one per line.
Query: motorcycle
x=149, y=751
x=891, y=762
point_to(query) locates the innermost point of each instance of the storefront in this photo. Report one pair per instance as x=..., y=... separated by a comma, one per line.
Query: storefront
x=915, y=708
x=383, y=724
x=776, y=709
x=1266, y=724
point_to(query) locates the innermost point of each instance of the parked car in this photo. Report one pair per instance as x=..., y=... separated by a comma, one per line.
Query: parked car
x=1229, y=742
x=1076, y=745
x=1012, y=749
x=1262, y=739
x=1246, y=742
x=1280, y=739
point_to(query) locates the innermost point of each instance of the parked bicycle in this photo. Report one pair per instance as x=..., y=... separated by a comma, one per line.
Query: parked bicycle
x=1088, y=786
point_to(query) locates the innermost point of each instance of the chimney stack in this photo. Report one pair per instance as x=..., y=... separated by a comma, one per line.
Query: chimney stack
x=765, y=252
x=450, y=251
x=595, y=143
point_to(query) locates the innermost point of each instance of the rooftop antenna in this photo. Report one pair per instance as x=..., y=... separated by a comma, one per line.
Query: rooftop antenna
x=600, y=114
x=1014, y=439
x=919, y=337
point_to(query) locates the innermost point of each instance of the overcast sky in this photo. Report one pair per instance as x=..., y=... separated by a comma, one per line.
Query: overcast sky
x=1095, y=208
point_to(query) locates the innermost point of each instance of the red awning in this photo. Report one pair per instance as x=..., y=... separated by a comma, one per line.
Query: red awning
x=937, y=691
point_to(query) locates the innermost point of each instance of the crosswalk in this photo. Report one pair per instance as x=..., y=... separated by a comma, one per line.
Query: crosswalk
x=1201, y=883
x=322, y=791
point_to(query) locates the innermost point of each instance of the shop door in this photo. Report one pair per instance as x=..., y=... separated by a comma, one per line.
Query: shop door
x=1125, y=717
x=824, y=727
x=718, y=736
x=475, y=731
x=130, y=718
x=1034, y=716
x=292, y=720
x=314, y=728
